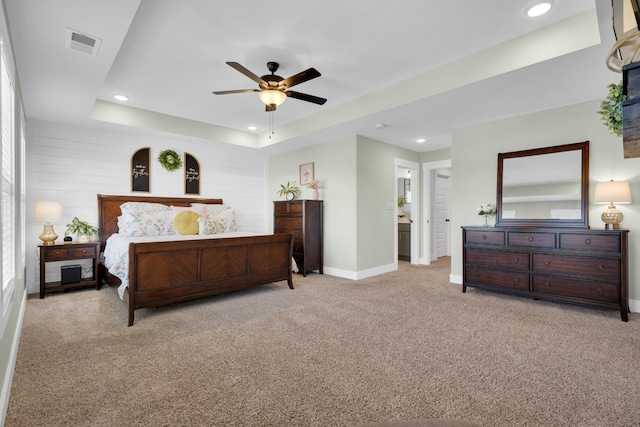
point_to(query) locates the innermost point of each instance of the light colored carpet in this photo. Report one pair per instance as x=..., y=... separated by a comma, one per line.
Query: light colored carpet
x=402, y=346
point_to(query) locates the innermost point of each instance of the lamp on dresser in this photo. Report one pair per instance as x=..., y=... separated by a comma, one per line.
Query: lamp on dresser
x=48, y=212
x=612, y=193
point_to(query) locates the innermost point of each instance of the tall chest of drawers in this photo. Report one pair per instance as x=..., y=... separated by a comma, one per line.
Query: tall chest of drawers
x=303, y=219
x=580, y=266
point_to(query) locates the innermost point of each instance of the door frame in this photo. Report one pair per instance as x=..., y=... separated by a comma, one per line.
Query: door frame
x=428, y=169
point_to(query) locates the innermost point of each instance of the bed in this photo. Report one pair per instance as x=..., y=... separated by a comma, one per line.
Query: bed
x=165, y=272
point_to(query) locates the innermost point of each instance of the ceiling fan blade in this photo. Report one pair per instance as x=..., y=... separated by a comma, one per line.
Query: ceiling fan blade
x=301, y=77
x=247, y=73
x=306, y=97
x=227, y=92
x=271, y=107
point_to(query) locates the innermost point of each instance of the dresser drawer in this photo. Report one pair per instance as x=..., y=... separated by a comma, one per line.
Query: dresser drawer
x=604, y=292
x=506, y=279
x=538, y=240
x=593, y=268
x=56, y=253
x=488, y=258
x=87, y=251
x=486, y=237
x=590, y=242
x=289, y=221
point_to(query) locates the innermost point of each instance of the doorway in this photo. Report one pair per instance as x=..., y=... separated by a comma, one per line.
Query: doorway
x=407, y=211
x=436, y=210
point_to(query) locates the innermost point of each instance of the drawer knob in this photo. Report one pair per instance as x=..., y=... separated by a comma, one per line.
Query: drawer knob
x=531, y=238
x=476, y=274
x=57, y=252
x=516, y=281
x=484, y=237
x=547, y=263
x=476, y=257
x=547, y=284
x=515, y=260
x=600, y=291
x=587, y=242
x=601, y=268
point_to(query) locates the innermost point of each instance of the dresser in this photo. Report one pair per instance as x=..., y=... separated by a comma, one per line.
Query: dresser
x=303, y=219
x=573, y=265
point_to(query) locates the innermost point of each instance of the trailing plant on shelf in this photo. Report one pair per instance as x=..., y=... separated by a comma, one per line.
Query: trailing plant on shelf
x=611, y=108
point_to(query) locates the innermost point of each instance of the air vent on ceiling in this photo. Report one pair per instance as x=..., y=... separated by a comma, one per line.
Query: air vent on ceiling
x=82, y=42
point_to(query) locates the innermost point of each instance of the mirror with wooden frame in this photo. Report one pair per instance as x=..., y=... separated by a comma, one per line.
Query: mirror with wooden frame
x=544, y=187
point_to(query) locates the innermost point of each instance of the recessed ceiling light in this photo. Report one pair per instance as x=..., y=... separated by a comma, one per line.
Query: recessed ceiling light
x=538, y=9
x=121, y=97
x=252, y=128
x=421, y=140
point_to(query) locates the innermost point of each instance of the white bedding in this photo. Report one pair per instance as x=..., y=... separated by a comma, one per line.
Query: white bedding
x=116, y=252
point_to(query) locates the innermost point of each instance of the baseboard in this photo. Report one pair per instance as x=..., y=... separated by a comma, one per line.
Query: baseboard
x=357, y=275
x=11, y=366
x=456, y=279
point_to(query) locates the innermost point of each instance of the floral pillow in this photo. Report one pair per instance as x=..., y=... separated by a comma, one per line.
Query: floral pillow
x=139, y=208
x=146, y=225
x=209, y=209
x=222, y=222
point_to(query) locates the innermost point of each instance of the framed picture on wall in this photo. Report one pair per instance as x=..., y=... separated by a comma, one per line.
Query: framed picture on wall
x=306, y=173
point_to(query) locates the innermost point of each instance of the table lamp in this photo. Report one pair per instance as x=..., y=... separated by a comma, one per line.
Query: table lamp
x=612, y=193
x=48, y=212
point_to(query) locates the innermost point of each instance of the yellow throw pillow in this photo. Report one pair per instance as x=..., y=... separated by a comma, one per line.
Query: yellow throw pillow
x=186, y=222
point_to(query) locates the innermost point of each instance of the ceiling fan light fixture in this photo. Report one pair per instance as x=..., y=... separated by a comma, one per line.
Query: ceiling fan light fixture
x=272, y=97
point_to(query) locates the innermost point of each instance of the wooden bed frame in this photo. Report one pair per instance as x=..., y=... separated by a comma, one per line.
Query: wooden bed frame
x=167, y=272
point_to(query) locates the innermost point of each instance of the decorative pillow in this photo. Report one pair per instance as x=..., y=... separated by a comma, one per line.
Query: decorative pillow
x=145, y=225
x=222, y=222
x=175, y=210
x=186, y=222
x=139, y=208
x=208, y=209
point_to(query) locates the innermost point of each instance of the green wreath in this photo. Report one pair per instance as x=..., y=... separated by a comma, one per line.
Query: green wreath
x=170, y=160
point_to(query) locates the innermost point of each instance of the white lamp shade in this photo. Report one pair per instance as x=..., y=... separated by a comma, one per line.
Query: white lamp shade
x=612, y=192
x=48, y=211
x=272, y=97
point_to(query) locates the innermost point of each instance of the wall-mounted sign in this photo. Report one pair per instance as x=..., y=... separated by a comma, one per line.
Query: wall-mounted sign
x=191, y=174
x=140, y=171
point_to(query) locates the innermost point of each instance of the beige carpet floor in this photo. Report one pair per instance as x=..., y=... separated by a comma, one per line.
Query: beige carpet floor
x=406, y=346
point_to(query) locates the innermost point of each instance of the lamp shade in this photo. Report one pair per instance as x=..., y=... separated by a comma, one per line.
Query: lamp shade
x=272, y=97
x=48, y=211
x=612, y=192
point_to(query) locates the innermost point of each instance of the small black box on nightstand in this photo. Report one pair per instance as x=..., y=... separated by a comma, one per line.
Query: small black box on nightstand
x=70, y=274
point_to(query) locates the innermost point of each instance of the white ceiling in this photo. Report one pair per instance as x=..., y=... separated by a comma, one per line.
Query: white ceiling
x=421, y=68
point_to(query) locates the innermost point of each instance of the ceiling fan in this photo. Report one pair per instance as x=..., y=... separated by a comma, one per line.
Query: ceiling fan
x=274, y=89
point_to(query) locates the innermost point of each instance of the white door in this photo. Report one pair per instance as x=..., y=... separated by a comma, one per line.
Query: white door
x=441, y=206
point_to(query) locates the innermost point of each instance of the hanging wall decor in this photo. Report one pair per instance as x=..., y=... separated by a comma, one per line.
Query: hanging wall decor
x=170, y=160
x=191, y=174
x=140, y=171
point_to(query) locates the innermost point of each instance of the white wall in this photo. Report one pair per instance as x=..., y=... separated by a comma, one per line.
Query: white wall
x=474, y=170
x=72, y=165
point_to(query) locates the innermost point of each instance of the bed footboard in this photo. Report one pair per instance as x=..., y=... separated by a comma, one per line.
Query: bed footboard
x=167, y=272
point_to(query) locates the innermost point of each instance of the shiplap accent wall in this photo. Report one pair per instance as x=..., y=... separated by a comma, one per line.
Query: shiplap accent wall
x=73, y=165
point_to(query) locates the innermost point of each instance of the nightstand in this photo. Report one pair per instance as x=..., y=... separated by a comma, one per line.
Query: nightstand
x=67, y=252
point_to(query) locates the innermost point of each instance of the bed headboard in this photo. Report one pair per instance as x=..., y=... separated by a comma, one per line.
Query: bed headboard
x=109, y=210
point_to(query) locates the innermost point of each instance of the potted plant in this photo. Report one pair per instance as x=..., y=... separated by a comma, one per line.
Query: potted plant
x=82, y=229
x=289, y=191
x=611, y=108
